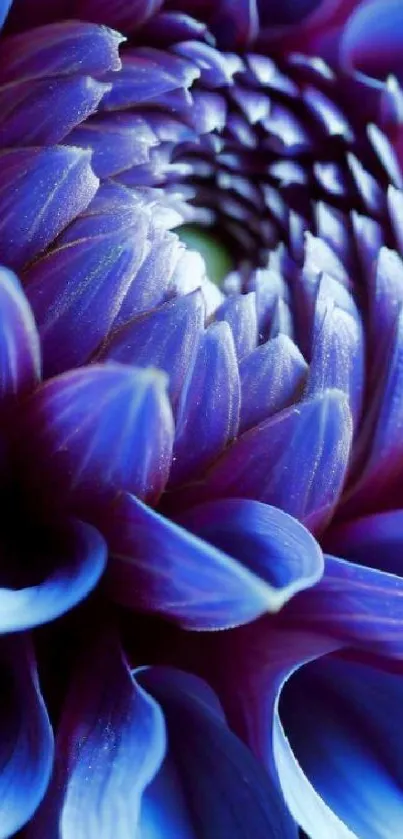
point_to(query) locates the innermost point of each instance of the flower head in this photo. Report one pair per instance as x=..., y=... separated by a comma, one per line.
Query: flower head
x=183, y=450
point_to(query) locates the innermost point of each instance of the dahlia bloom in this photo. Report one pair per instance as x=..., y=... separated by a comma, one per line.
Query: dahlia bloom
x=201, y=467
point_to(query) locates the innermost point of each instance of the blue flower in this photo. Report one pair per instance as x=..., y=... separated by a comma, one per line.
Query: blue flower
x=182, y=451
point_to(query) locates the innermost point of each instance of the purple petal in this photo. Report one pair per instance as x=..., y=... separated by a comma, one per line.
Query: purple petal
x=342, y=720
x=145, y=75
x=58, y=50
x=77, y=291
x=235, y=25
x=42, y=112
x=41, y=191
x=74, y=558
x=272, y=378
x=226, y=791
x=166, y=338
x=235, y=561
x=26, y=750
x=112, y=732
x=96, y=431
x=117, y=142
x=375, y=541
x=354, y=604
x=208, y=411
x=20, y=357
x=305, y=447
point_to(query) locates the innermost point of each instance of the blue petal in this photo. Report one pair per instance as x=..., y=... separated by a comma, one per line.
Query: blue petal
x=373, y=39
x=26, y=741
x=240, y=312
x=111, y=733
x=226, y=791
x=4, y=8
x=297, y=460
x=117, y=142
x=166, y=338
x=343, y=723
x=77, y=290
x=41, y=191
x=74, y=563
x=375, y=541
x=58, y=50
x=208, y=411
x=272, y=378
x=124, y=15
x=236, y=560
x=20, y=357
x=94, y=432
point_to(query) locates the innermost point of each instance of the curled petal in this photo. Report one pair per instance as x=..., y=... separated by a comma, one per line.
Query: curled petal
x=20, y=358
x=96, y=431
x=112, y=732
x=26, y=741
x=234, y=561
x=74, y=561
x=225, y=790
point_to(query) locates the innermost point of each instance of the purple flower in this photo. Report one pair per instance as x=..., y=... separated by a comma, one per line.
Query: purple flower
x=182, y=454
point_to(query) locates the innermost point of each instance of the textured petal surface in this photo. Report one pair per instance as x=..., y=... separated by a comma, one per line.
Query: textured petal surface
x=226, y=791
x=111, y=734
x=70, y=562
x=297, y=460
x=26, y=749
x=96, y=431
x=234, y=561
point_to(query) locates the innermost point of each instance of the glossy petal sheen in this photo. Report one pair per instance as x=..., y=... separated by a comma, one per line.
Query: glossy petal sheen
x=20, y=360
x=343, y=722
x=26, y=741
x=297, y=460
x=99, y=430
x=234, y=561
x=110, y=744
x=226, y=791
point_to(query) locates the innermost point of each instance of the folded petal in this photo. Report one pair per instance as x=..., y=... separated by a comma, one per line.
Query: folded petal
x=20, y=358
x=342, y=720
x=111, y=732
x=225, y=790
x=94, y=432
x=26, y=741
x=297, y=460
x=41, y=191
x=234, y=561
x=358, y=605
x=69, y=562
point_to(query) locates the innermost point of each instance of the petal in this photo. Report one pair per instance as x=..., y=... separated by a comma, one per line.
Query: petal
x=20, y=358
x=43, y=111
x=41, y=192
x=355, y=604
x=121, y=14
x=4, y=8
x=112, y=732
x=240, y=312
x=26, y=749
x=208, y=411
x=342, y=720
x=375, y=541
x=77, y=291
x=97, y=431
x=58, y=50
x=72, y=560
x=166, y=338
x=226, y=791
x=272, y=378
x=117, y=142
x=236, y=560
x=373, y=38
x=296, y=460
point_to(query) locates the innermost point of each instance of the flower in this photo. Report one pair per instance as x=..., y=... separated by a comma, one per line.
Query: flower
x=212, y=456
